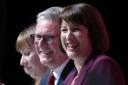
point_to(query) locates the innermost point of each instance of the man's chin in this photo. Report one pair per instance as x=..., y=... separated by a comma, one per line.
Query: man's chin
x=45, y=61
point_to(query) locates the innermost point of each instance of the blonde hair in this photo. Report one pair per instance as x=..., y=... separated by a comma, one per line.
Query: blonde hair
x=24, y=40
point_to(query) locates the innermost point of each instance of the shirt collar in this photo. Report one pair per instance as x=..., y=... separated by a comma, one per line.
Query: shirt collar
x=57, y=72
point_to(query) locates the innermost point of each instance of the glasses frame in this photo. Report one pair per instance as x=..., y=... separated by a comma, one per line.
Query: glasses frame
x=45, y=38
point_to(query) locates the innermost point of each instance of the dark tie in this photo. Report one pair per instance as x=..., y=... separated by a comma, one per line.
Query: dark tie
x=51, y=80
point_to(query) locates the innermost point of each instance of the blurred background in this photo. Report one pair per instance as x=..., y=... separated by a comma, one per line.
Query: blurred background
x=15, y=15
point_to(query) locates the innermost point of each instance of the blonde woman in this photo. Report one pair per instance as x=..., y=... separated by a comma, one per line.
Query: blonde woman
x=29, y=59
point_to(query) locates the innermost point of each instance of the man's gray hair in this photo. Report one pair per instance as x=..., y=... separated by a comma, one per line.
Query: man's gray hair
x=51, y=13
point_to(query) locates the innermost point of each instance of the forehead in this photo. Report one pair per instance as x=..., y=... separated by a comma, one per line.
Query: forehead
x=69, y=24
x=26, y=49
x=47, y=26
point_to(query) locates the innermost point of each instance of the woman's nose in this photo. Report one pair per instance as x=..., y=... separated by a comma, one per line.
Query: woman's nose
x=69, y=35
x=23, y=61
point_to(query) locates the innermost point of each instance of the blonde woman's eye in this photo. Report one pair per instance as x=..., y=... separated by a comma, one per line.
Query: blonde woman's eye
x=27, y=53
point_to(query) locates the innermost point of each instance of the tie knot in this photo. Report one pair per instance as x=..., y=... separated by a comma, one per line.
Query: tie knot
x=51, y=80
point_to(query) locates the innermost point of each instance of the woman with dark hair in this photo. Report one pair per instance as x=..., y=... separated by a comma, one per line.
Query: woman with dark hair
x=85, y=40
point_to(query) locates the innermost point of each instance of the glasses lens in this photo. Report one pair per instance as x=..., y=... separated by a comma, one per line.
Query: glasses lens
x=45, y=38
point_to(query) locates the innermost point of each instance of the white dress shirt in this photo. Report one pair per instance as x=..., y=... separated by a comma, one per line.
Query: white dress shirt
x=57, y=72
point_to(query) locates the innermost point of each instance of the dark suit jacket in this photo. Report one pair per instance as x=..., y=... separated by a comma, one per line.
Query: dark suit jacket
x=101, y=70
x=65, y=72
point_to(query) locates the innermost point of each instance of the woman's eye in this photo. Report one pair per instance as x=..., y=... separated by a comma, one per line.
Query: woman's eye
x=63, y=30
x=27, y=53
x=75, y=29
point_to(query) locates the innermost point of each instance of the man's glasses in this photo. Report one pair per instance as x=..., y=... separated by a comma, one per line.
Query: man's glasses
x=45, y=38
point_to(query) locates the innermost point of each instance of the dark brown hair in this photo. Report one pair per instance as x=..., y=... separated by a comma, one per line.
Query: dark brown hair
x=89, y=16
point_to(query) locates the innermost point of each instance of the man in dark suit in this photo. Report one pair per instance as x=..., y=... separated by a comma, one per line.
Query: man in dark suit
x=63, y=75
x=48, y=46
